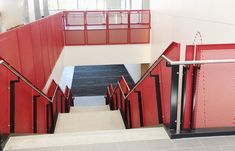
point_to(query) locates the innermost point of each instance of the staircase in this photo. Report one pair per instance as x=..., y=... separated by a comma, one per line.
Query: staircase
x=82, y=119
x=85, y=126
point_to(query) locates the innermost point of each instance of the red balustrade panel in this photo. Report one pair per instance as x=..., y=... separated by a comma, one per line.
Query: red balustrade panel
x=118, y=27
x=149, y=103
x=55, y=47
x=45, y=49
x=172, y=52
x=50, y=42
x=4, y=101
x=9, y=49
x=37, y=55
x=134, y=105
x=124, y=85
x=41, y=115
x=50, y=93
x=26, y=52
x=75, y=37
x=210, y=93
x=96, y=36
x=23, y=108
x=107, y=27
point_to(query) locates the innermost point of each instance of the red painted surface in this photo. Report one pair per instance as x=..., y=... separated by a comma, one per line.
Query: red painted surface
x=207, y=99
x=135, y=118
x=23, y=108
x=107, y=27
x=32, y=50
x=4, y=101
x=26, y=52
x=41, y=115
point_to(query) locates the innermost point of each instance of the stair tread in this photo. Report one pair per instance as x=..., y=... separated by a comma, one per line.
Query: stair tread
x=82, y=138
x=89, y=121
x=89, y=108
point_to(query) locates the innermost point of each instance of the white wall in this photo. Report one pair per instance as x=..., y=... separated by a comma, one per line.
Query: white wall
x=12, y=13
x=134, y=70
x=179, y=20
x=107, y=54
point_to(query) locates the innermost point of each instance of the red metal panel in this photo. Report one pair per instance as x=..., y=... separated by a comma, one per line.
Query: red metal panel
x=37, y=55
x=74, y=37
x=139, y=36
x=208, y=101
x=135, y=118
x=9, y=49
x=50, y=43
x=23, y=108
x=41, y=115
x=118, y=36
x=4, y=101
x=120, y=27
x=149, y=103
x=172, y=52
x=45, y=49
x=26, y=52
x=96, y=37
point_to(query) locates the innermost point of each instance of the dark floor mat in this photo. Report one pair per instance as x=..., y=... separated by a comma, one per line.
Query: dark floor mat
x=93, y=80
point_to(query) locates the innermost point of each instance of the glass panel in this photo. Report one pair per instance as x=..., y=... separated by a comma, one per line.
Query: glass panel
x=53, y=4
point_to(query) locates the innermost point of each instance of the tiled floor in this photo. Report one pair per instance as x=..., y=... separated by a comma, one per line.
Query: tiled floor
x=193, y=144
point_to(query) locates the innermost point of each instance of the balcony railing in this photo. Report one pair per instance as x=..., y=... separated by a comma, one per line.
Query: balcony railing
x=191, y=97
x=107, y=27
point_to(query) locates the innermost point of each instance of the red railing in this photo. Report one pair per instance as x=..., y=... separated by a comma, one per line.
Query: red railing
x=30, y=52
x=107, y=27
x=211, y=103
x=143, y=105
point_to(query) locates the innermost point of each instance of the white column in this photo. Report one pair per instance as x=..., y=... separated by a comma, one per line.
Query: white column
x=45, y=8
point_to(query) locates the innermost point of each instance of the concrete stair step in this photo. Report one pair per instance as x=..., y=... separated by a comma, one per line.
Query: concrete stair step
x=89, y=121
x=89, y=109
x=70, y=140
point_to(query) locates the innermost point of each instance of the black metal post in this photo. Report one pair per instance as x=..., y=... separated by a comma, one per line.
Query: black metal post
x=48, y=109
x=35, y=113
x=52, y=117
x=56, y=101
x=120, y=100
x=194, y=81
x=140, y=108
x=158, y=95
x=116, y=101
x=174, y=95
x=61, y=104
x=12, y=105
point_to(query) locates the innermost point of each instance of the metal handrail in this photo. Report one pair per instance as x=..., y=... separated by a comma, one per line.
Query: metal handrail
x=10, y=68
x=145, y=75
x=123, y=94
x=197, y=62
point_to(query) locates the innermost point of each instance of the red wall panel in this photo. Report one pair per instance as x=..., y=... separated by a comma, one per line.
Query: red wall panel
x=4, y=100
x=41, y=115
x=37, y=55
x=23, y=108
x=50, y=43
x=26, y=52
x=45, y=49
x=149, y=102
x=135, y=118
x=9, y=49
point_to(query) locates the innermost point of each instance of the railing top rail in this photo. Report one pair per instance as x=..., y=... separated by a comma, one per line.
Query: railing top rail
x=144, y=76
x=15, y=72
x=197, y=62
x=119, y=85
